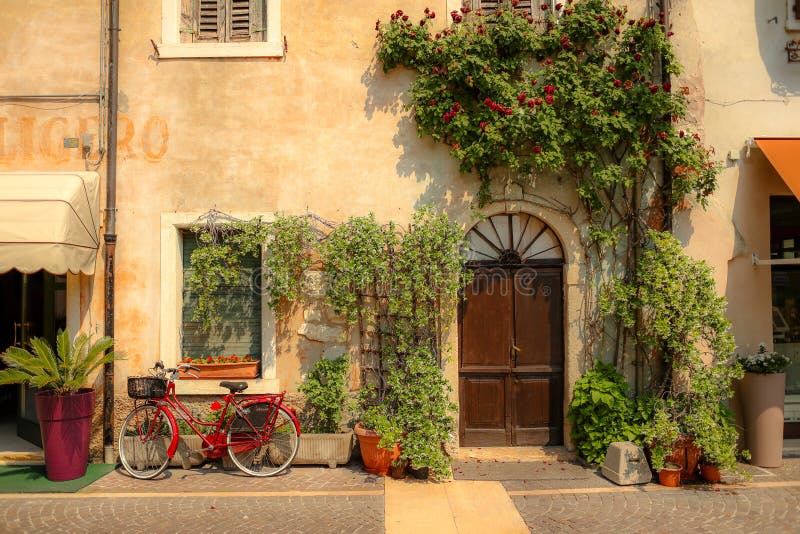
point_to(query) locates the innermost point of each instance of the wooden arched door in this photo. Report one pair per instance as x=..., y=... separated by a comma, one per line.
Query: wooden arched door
x=511, y=348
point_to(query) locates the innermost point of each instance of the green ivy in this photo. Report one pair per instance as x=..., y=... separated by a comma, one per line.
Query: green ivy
x=406, y=285
x=325, y=388
x=684, y=322
x=216, y=262
x=601, y=413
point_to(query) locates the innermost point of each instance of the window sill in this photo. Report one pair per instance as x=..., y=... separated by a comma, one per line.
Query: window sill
x=211, y=386
x=219, y=50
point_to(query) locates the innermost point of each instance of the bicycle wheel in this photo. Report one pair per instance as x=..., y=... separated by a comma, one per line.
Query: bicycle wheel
x=251, y=453
x=143, y=441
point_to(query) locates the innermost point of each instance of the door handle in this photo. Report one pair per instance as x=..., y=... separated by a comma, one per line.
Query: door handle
x=515, y=348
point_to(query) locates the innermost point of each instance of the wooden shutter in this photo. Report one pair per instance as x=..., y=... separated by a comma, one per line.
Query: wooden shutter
x=239, y=21
x=490, y=6
x=239, y=330
x=188, y=24
x=210, y=21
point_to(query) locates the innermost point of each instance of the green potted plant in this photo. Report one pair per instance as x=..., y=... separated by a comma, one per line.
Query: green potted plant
x=379, y=433
x=762, y=392
x=322, y=440
x=63, y=404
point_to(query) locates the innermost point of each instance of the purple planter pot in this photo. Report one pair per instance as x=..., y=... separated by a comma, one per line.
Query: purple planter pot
x=65, y=421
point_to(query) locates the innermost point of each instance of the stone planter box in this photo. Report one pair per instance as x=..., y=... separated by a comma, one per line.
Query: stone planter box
x=223, y=370
x=187, y=455
x=325, y=449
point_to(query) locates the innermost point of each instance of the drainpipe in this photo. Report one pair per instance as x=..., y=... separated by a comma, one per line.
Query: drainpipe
x=110, y=236
x=666, y=8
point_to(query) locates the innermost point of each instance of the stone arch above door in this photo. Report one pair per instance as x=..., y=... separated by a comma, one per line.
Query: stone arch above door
x=511, y=334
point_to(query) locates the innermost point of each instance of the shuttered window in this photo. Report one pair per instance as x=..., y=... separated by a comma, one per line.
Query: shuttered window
x=239, y=330
x=489, y=6
x=223, y=21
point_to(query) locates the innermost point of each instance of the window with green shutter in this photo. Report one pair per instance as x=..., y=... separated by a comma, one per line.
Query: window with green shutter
x=239, y=329
x=223, y=21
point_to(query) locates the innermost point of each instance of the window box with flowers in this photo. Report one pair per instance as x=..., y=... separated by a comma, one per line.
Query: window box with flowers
x=223, y=367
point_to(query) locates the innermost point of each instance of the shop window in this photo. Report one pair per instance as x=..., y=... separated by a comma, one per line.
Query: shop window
x=784, y=245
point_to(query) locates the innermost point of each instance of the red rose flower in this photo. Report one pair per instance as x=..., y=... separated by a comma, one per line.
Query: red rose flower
x=628, y=85
x=544, y=7
x=663, y=135
x=558, y=6
x=215, y=405
x=537, y=149
x=509, y=112
x=611, y=69
x=637, y=56
x=483, y=126
x=549, y=99
x=653, y=89
x=531, y=103
x=405, y=18
x=209, y=360
x=617, y=83
x=667, y=87
x=681, y=134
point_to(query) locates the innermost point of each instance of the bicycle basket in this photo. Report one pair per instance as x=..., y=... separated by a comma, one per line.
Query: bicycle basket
x=146, y=387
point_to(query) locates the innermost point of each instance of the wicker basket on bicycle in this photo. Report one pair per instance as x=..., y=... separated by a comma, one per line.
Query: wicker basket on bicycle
x=146, y=387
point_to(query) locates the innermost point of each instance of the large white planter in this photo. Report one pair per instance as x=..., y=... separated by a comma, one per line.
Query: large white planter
x=762, y=406
x=325, y=449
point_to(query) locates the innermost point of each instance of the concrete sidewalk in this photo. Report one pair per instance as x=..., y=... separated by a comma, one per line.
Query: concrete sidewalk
x=523, y=493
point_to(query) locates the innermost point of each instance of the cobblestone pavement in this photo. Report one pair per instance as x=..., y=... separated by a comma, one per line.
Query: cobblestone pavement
x=207, y=479
x=558, y=496
x=305, y=500
x=192, y=514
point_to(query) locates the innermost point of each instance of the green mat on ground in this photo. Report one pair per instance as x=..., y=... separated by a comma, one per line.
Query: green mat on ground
x=31, y=479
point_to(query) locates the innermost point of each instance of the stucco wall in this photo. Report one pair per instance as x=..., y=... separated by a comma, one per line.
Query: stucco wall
x=741, y=87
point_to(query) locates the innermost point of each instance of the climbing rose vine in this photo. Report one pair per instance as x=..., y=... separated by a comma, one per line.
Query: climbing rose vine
x=575, y=93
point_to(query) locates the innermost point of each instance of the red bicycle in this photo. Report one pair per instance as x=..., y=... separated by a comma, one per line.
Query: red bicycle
x=260, y=433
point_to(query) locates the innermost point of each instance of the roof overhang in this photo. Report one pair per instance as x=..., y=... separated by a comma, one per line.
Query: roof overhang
x=49, y=221
x=784, y=155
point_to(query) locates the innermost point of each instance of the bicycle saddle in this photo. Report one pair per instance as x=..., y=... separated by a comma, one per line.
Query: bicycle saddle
x=234, y=387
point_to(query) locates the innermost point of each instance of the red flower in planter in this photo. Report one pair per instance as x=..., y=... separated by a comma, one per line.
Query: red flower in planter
x=248, y=358
x=234, y=359
x=209, y=359
x=215, y=405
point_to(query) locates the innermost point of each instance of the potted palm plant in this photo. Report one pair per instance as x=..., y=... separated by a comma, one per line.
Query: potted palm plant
x=322, y=441
x=63, y=404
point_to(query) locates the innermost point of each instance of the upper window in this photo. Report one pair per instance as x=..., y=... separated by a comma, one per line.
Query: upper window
x=220, y=28
x=223, y=21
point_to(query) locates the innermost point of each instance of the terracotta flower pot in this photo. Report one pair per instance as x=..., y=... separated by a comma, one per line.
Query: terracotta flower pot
x=377, y=460
x=669, y=477
x=687, y=455
x=710, y=473
x=762, y=404
x=398, y=471
x=65, y=422
x=223, y=370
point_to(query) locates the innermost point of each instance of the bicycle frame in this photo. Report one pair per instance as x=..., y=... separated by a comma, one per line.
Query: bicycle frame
x=216, y=440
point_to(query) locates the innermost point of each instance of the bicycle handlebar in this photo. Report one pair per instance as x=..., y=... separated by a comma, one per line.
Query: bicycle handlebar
x=159, y=368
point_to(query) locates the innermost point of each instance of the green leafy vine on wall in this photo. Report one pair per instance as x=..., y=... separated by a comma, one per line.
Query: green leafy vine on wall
x=578, y=96
x=285, y=243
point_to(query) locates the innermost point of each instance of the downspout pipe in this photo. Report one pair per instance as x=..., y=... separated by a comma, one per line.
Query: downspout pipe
x=110, y=236
x=667, y=179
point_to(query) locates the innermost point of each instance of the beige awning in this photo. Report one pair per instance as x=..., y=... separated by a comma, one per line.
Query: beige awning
x=49, y=221
x=784, y=154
